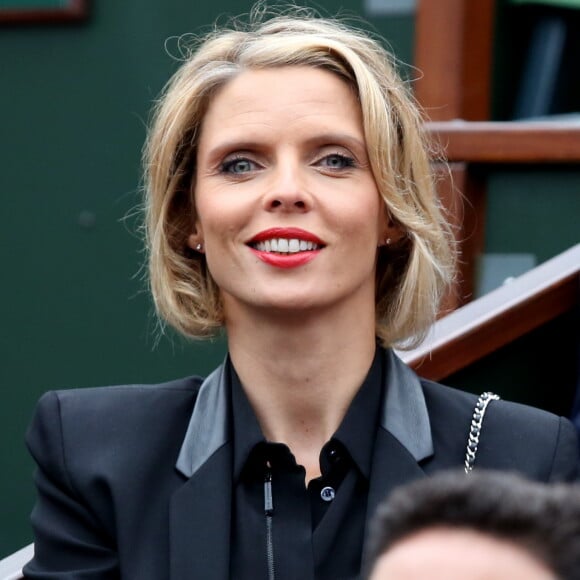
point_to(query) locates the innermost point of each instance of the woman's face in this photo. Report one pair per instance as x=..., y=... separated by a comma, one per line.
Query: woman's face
x=287, y=206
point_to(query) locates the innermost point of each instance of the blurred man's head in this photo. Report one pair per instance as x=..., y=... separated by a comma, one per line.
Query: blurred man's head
x=491, y=526
x=439, y=553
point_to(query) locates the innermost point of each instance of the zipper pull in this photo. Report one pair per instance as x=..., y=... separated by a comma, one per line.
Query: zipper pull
x=268, y=501
x=269, y=510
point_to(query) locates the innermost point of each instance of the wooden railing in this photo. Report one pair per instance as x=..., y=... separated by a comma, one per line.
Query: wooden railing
x=454, y=42
x=496, y=319
x=542, y=141
x=471, y=148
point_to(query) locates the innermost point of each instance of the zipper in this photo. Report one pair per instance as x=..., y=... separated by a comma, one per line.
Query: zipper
x=269, y=512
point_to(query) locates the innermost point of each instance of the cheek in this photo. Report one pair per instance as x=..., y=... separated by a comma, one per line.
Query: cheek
x=208, y=218
x=219, y=212
x=365, y=217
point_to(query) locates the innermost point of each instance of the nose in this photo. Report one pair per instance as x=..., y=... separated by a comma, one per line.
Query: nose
x=287, y=191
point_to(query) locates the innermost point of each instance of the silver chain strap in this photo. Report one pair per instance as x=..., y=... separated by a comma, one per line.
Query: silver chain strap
x=475, y=431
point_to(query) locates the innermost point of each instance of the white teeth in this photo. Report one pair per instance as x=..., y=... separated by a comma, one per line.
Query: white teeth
x=285, y=246
x=293, y=246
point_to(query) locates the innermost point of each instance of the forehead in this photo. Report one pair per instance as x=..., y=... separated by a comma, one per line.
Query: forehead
x=456, y=554
x=292, y=98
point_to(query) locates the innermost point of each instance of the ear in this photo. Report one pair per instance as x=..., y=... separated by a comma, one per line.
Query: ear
x=195, y=239
x=194, y=242
x=392, y=232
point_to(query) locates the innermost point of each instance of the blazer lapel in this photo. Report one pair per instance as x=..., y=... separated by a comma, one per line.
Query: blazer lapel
x=404, y=437
x=393, y=465
x=200, y=522
x=200, y=511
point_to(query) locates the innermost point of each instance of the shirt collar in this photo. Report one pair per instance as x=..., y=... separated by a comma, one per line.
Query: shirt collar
x=403, y=413
x=356, y=432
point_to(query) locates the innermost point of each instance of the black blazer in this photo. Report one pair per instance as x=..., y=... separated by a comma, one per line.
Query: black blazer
x=135, y=481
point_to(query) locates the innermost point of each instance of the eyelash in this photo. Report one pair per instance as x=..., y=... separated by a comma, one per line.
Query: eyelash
x=227, y=165
x=348, y=161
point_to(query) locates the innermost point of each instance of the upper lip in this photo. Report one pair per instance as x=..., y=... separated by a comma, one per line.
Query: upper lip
x=286, y=233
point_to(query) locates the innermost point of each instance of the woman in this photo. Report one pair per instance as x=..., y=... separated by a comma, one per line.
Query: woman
x=289, y=201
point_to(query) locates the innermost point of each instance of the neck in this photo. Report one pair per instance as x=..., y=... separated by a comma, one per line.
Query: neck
x=301, y=376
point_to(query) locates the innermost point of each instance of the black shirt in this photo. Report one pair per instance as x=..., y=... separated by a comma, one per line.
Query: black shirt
x=317, y=532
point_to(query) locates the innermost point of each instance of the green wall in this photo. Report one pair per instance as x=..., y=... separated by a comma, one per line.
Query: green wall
x=74, y=309
x=533, y=210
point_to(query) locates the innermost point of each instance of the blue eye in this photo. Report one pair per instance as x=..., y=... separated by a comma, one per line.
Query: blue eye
x=237, y=166
x=337, y=161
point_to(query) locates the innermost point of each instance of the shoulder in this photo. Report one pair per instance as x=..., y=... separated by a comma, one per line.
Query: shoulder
x=102, y=454
x=514, y=436
x=445, y=400
x=126, y=404
x=112, y=425
x=511, y=418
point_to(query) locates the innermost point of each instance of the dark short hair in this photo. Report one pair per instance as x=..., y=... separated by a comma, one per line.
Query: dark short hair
x=543, y=519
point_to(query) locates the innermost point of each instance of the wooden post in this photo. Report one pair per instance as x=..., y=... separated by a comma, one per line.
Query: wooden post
x=453, y=51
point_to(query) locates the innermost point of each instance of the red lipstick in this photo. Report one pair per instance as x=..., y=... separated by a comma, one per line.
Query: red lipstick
x=283, y=259
x=286, y=233
x=286, y=260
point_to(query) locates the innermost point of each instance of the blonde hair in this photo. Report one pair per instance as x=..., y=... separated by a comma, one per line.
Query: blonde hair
x=412, y=274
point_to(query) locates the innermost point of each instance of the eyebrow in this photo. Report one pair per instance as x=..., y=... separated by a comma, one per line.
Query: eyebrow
x=337, y=138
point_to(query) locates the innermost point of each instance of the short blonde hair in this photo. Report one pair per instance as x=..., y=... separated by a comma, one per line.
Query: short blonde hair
x=412, y=274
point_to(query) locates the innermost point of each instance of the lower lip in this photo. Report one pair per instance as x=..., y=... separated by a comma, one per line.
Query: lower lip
x=286, y=260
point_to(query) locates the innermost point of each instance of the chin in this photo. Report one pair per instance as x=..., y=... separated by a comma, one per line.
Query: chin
x=295, y=305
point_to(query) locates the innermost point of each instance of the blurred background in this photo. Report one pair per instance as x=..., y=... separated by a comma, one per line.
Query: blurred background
x=74, y=105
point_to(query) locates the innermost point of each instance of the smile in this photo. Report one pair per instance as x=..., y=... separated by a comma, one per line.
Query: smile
x=285, y=246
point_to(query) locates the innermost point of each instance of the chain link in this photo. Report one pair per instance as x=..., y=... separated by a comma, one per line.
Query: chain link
x=475, y=431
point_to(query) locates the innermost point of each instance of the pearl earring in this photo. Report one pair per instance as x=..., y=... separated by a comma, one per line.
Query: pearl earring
x=199, y=247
